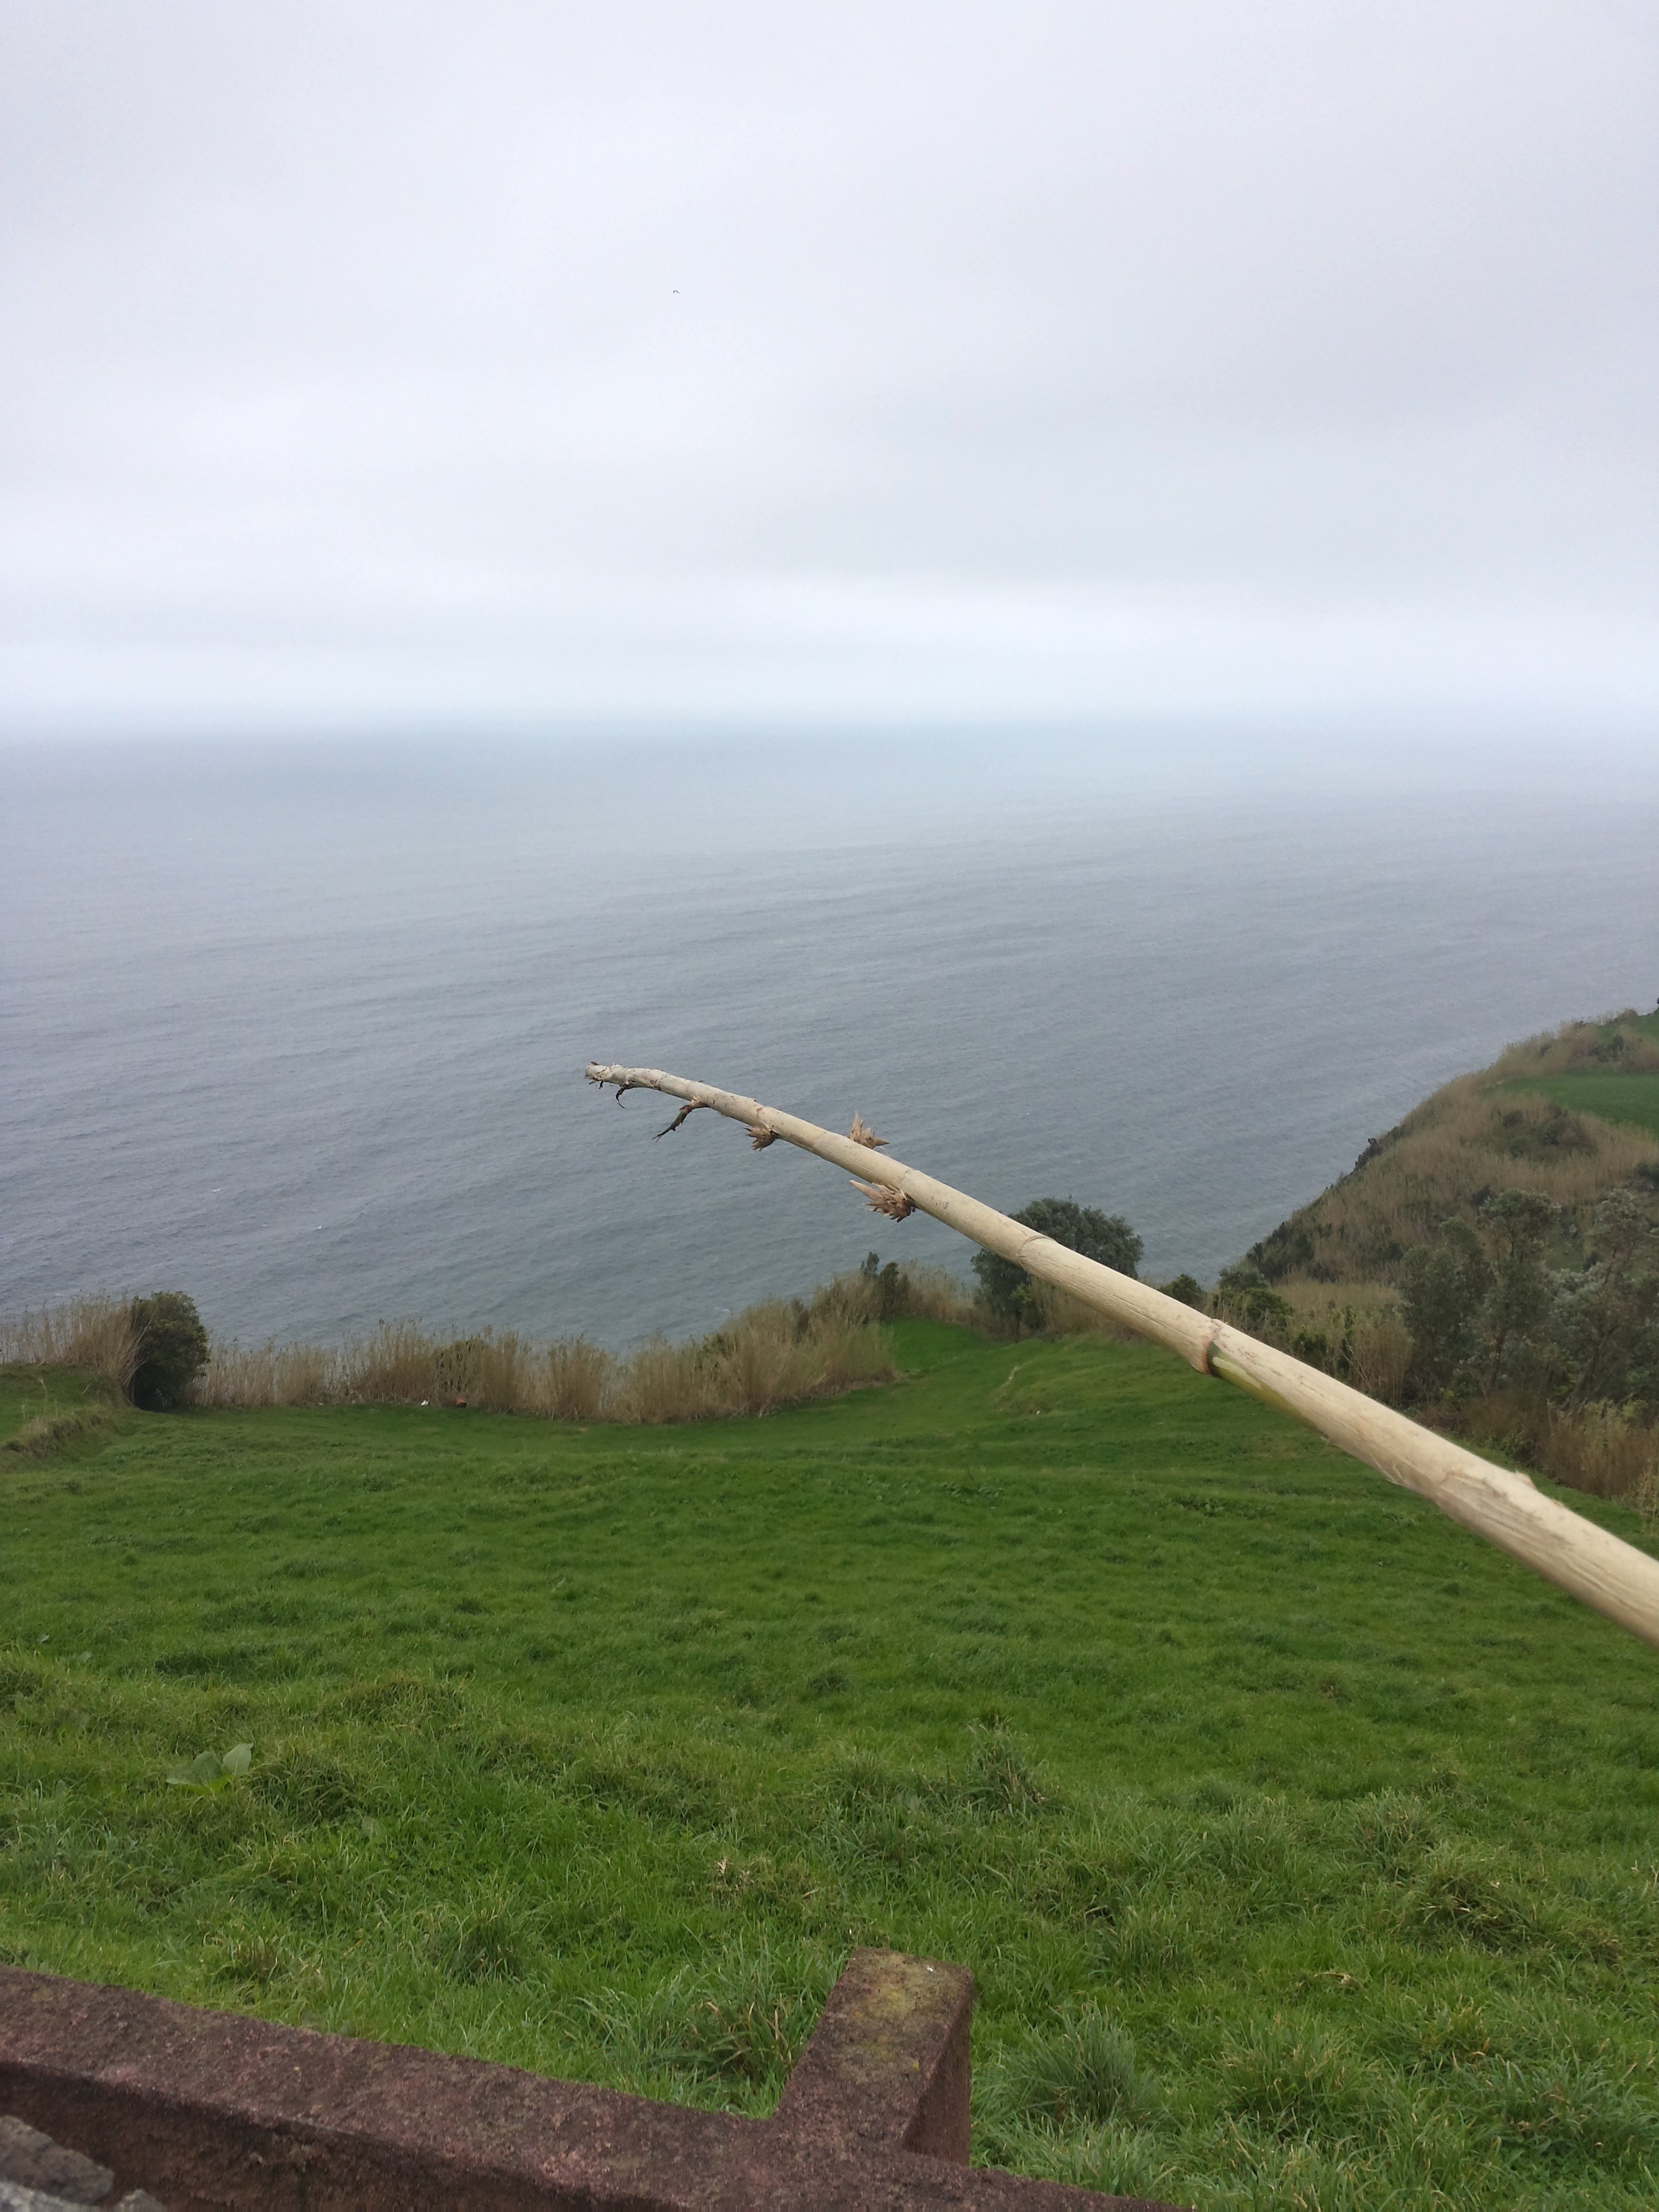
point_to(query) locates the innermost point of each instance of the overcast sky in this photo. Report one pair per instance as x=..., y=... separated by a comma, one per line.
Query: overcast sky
x=386, y=366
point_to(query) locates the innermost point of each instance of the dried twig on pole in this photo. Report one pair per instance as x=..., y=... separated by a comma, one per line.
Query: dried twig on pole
x=692, y=1106
x=1503, y=1507
x=893, y=1203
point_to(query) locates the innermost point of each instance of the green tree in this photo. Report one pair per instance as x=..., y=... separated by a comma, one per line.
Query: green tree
x=1604, y=1322
x=1515, y=1226
x=1244, y=1297
x=888, y=1284
x=1108, y=1237
x=1442, y=1289
x=173, y=1349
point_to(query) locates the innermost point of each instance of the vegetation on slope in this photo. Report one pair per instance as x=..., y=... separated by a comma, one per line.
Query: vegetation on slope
x=781, y=1353
x=1493, y=1263
x=1509, y=1127
x=1629, y=1100
x=1301, y=1845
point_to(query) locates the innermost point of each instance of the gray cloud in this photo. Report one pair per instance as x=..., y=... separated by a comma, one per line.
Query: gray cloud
x=374, y=363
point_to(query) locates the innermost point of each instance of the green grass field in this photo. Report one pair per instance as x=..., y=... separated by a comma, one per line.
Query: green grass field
x=1633, y=1099
x=1304, y=1846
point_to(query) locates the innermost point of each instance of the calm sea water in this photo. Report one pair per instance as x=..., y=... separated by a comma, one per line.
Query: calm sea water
x=301, y=1033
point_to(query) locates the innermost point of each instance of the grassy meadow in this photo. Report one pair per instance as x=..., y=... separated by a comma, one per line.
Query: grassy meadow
x=1305, y=1848
x=1608, y=1069
x=1630, y=1101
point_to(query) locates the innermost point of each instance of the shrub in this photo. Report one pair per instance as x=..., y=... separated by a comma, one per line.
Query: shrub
x=1445, y=1286
x=914, y=1291
x=1006, y=1288
x=173, y=1349
x=1604, y=1322
x=1515, y=1224
x=887, y=1286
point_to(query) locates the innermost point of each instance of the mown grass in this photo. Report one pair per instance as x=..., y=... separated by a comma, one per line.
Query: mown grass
x=1632, y=1100
x=1304, y=1847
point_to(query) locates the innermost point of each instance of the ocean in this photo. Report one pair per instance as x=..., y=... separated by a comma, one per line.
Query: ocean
x=300, y=1030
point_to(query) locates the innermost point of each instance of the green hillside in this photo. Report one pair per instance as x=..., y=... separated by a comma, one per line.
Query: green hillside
x=1574, y=1114
x=1302, y=1846
x=1609, y=1069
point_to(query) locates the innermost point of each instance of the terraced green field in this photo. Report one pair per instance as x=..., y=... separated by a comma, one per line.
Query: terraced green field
x=1633, y=1099
x=1306, y=1850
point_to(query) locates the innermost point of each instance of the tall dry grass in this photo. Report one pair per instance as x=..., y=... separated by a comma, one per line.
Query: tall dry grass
x=1606, y=1451
x=932, y=1293
x=1057, y=1313
x=1603, y=1449
x=1365, y=1339
x=778, y=1354
x=1580, y=1047
x=94, y=1333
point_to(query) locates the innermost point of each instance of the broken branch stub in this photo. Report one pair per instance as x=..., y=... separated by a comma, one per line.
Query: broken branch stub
x=893, y=1203
x=1593, y=1565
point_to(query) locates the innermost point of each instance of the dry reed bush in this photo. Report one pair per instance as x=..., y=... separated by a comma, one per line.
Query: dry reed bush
x=1358, y=1318
x=1606, y=1451
x=843, y=1302
x=1579, y=1047
x=94, y=1333
x=1381, y=1358
x=933, y=1293
x=396, y=1366
x=659, y=1382
x=268, y=1375
x=577, y=1379
x=498, y=1374
x=775, y=1354
x=765, y=1359
x=1059, y=1314
x=909, y=1292
x=853, y=1358
x=1600, y=1449
x=1460, y=1141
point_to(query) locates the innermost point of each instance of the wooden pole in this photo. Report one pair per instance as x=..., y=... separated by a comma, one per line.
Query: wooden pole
x=1506, y=1507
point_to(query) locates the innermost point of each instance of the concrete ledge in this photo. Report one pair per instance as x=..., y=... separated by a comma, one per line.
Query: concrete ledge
x=208, y=2109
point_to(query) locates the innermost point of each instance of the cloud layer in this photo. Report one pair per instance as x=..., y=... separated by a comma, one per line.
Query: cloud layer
x=383, y=365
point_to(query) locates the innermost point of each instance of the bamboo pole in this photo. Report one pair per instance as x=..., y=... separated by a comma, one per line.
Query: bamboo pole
x=1506, y=1507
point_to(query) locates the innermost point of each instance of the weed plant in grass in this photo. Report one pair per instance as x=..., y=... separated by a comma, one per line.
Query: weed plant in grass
x=1302, y=1846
